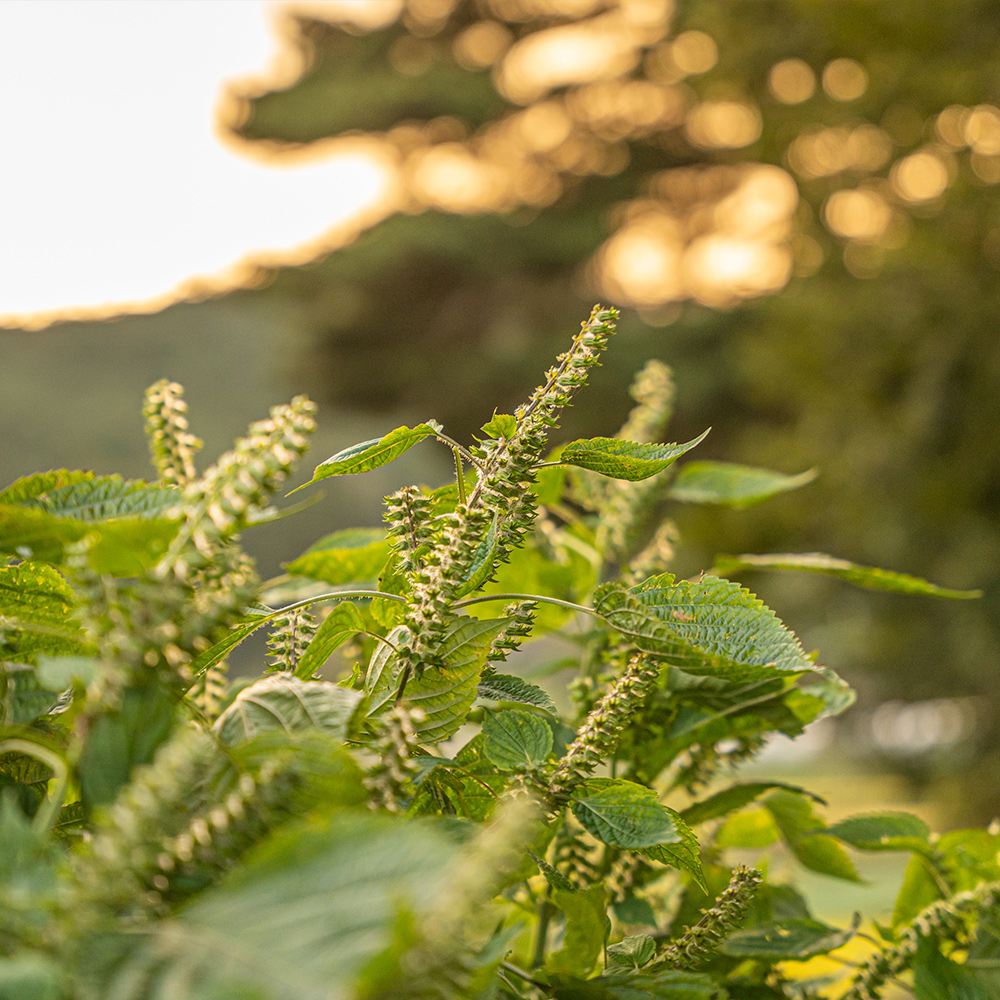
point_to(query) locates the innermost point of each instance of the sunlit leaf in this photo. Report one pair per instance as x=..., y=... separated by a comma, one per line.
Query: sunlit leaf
x=620, y=459
x=508, y=687
x=624, y=814
x=40, y=483
x=35, y=608
x=344, y=556
x=789, y=939
x=340, y=625
x=805, y=833
x=710, y=626
x=861, y=576
x=732, y=485
x=584, y=935
x=368, y=455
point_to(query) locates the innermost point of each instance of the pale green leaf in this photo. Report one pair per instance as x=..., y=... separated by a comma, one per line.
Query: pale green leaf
x=372, y=454
x=620, y=459
x=735, y=797
x=583, y=938
x=632, y=952
x=516, y=740
x=40, y=483
x=285, y=703
x=861, y=576
x=806, y=836
x=30, y=976
x=709, y=626
x=749, y=828
x=732, y=485
x=344, y=557
x=787, y=939
x=340, y=625
x=35, y=612
x=105, y=498
x=886, y=831
x=500, y=425
x=624, y=814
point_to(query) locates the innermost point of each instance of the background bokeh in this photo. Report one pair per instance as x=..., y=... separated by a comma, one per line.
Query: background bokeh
x=795, y=205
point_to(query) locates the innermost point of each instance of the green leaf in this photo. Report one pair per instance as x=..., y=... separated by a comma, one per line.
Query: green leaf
x=632, y=952
x=340, y=625
x=445, y=694
x=516, y=740
x=888, y=831
x=685, y=856
x=344, y=557
x=937, y=977
x=40, y=483
x=553, y=876
x=667, y=984
x=620, y=459
x=372, y=454
x=121, y=740
x=106, y=498
x=861, y=576
x=624, y=814
x=30, y=976
x=735, y=797
x=732, y=485
x=333, y=887
x=36, y=608
x=749, y=828
x=585, y=929
x=708, y=627
x=483, y=561
x=56, y=673
x=787, y=939
x=508, y=687
x=285, y=703
x=500, y=425
x=806, y=836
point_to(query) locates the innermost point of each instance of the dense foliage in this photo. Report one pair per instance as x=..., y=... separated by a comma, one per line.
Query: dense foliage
x=435, y=823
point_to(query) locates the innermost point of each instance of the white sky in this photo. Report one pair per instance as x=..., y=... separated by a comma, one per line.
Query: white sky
x=114, y=187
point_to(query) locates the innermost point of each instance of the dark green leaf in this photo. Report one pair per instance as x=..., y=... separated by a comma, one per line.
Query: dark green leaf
x=937, y=977
x=818, y=562
x=711, y=627
x=684, y=856
x=372, y=454
x=344, y=557
x=669, y=984
x=516, y=740
x=789, y=939
x=635, y=911
x=288, y=704
x=620, y=459
x=732, y=485
x=483, y=561
x=624, y=814
x=508, y=687
x=553, y=876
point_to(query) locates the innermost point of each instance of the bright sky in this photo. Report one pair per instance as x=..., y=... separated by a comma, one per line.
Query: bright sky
x=115, y=189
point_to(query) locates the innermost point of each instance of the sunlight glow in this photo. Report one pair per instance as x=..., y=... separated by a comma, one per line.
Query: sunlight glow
x=116, y=189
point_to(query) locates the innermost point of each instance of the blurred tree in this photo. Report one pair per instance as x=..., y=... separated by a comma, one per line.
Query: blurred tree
x=799, y=202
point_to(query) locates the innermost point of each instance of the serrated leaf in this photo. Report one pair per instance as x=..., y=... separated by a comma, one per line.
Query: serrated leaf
x=684, y=856
x=500, y=425
x=340, y=625
x=333, y=887
x=444, y=694
x=708, y=627
x=667, y=984
x=508, y=687
x=732, y=485
x=515, y=740
x=624, y=814
x=620, y=459
x=106, y=498
x=787, y=939
x=806, y=836
x=35, y=611
x=285, y=703
x=344, y=557
x=553, y=876
x=368, y=455
x=887, y=831
x=38, y=483
x=483, y=561
x=861, y=576
x=735, y=797
x=585, y=929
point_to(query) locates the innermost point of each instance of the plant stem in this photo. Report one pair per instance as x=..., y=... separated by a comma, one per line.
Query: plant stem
x=479, y=598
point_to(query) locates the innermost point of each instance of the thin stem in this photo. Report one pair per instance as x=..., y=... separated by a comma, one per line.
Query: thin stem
x=461, y=449
x=544, y=915
x=521, y=974
x=459, y=475
x=479, y=598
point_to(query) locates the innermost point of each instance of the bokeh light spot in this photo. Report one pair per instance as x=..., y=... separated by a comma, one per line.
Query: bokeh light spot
x=950, y=125
x=481, y=44
x=860, y=214
x=922, y=176
x=723, y=125
x=844, y=79
x=982, y=130
x=694, y=52
x=791, y=81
